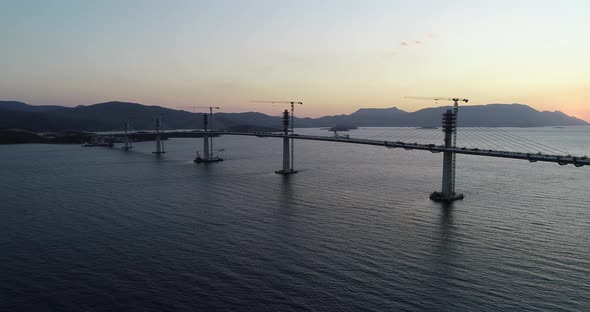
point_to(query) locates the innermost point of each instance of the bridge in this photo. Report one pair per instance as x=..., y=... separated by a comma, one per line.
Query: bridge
x=532, y=157
x=519, y=147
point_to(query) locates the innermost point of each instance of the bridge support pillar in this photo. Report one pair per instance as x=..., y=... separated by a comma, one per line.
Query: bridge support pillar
x=207, y=152
x=287, y=169
x=448, y=177
x=159, y=143
x=127, y=145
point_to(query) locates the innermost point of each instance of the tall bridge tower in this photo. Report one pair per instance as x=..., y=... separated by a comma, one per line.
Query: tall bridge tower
x=292, y=156
x=127, y=145
x=287, y=152
x=207, y=140
x=449, y=127
x=159, y=143
x=206, y=150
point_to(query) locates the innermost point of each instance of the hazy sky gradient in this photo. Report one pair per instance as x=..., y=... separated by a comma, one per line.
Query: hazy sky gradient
x=336, y=56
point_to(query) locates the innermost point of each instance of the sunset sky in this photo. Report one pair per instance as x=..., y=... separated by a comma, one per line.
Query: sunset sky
x=334, y=55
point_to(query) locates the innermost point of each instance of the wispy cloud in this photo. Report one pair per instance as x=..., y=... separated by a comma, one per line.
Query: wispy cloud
x=407, y=43
x=429, y=37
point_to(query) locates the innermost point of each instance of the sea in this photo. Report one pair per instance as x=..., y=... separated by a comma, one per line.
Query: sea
x=103, y=229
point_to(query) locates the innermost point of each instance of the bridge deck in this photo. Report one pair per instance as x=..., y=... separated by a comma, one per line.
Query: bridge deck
x=560, y=159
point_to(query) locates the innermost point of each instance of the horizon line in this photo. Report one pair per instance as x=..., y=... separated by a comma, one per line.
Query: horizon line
x=237, y=112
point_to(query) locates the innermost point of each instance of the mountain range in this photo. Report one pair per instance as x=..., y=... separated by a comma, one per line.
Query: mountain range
x=112, y=116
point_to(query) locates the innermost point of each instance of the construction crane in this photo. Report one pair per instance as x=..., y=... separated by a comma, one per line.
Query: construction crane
x=211, y=108
x=293, y=103
x=455, y=111
x=440, y=98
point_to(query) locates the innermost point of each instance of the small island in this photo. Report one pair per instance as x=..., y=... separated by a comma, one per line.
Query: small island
x=342, y=128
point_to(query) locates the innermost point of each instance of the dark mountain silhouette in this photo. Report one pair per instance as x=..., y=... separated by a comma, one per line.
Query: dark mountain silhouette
x=23, y=107
x=496, y=115
x=112, y=116
x=365, y=117
x=97, y=117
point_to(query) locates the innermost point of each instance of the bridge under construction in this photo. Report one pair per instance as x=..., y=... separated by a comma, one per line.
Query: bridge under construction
x=518, y=147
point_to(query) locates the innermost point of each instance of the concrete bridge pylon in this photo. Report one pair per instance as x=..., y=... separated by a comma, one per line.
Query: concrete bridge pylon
x=207, y=142
x=449, y=127
x=287, y=164
x=159, y=143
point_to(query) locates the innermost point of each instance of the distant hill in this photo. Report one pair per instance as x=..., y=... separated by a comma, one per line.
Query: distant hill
x=496, y=115
x=112, y=116
x=377, y=117
x=23, y=107
x=97, y=117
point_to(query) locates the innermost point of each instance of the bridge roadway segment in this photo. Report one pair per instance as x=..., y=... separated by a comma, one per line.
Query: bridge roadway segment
x=532, y=157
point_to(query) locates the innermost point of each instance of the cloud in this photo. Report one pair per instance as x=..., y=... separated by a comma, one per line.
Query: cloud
x=407, y=43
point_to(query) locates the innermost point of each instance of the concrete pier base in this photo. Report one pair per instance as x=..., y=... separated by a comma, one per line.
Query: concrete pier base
x=286, y=172
x=159, y=148
x=441, y=197
x=208, y=160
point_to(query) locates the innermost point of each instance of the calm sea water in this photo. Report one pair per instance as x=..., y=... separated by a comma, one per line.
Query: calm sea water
x=99, y=229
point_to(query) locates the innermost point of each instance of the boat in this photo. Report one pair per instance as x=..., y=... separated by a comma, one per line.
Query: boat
x=340, y=136
x=198, y=158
